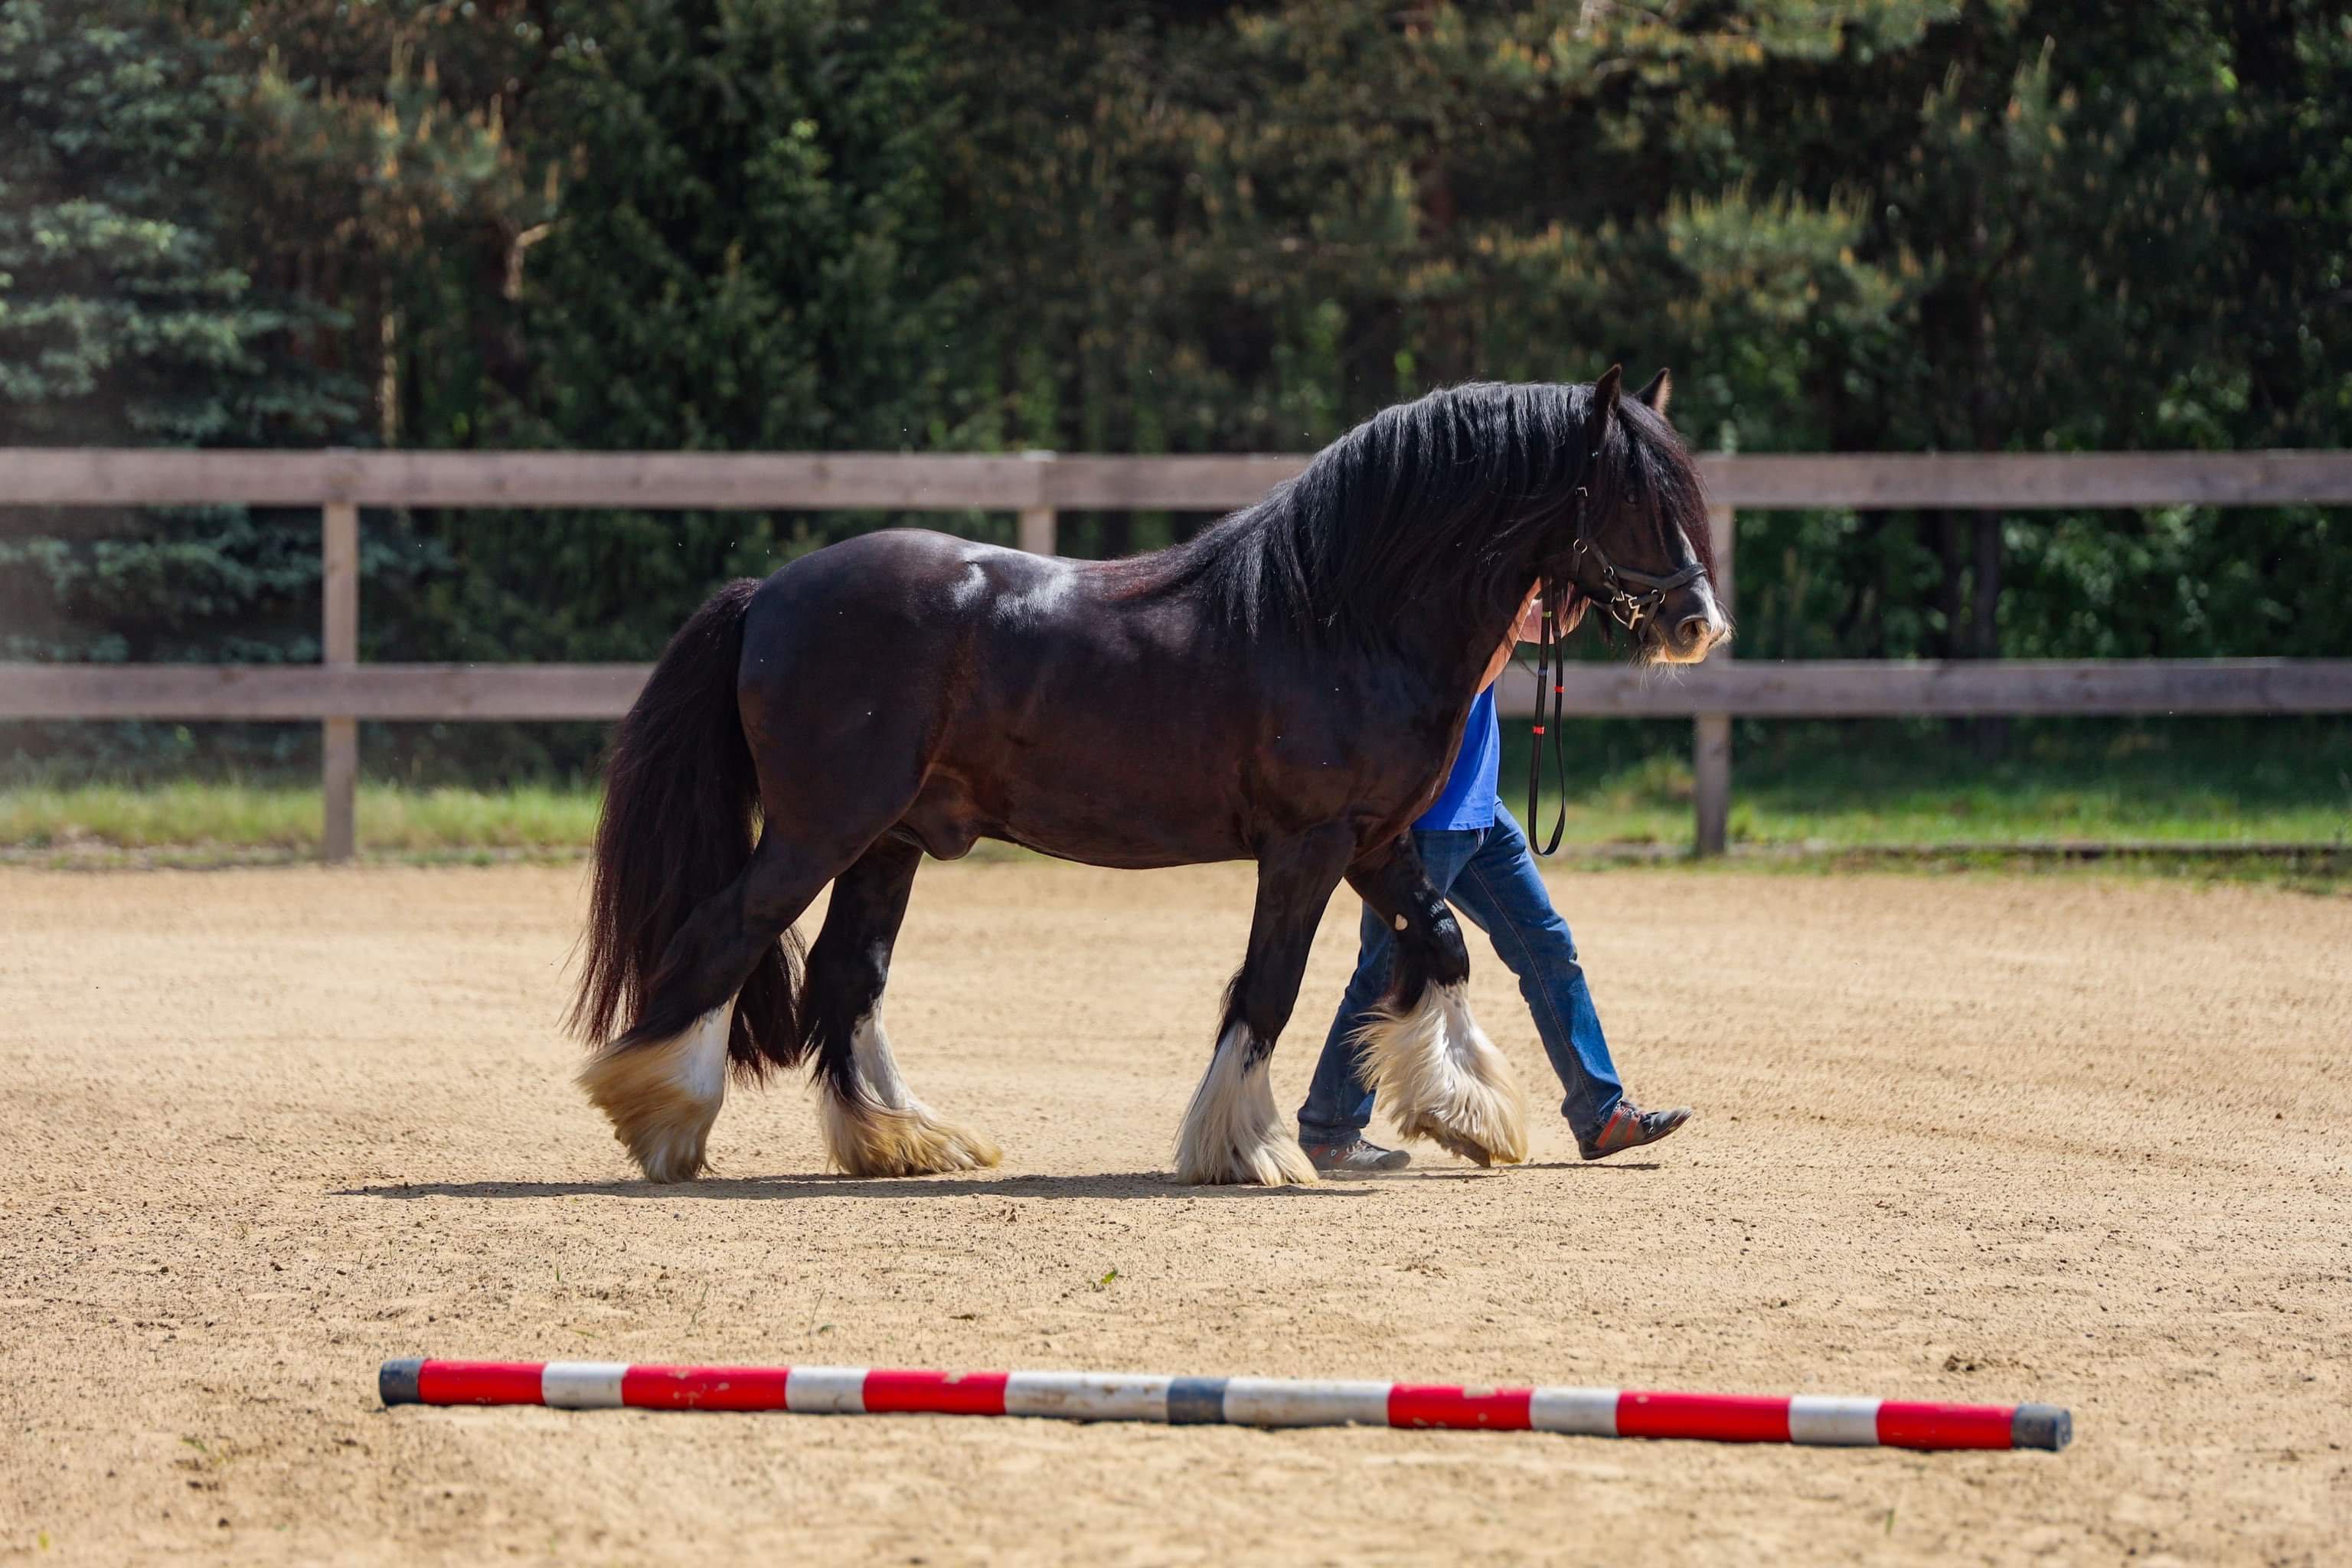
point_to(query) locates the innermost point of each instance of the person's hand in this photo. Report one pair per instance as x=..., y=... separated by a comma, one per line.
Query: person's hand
x=1530, y=626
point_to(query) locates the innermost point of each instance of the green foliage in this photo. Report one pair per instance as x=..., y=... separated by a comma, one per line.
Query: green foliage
x=1848, y=225
x=127, y=318
x=751, y=255
x=1254, y=227
x=759, y=260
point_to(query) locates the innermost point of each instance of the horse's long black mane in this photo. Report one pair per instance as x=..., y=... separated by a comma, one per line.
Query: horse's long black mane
x=1427, y=503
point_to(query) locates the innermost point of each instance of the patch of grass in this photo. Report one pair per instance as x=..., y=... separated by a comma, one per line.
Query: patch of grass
x=1833, y=787
x=1822, y=790
x=393, y=819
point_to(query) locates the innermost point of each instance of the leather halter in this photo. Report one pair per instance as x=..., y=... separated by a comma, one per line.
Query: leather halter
x=1629, y=597
x=1627, y=608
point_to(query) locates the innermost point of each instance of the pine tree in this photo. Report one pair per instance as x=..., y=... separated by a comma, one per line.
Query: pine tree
x=749, y=255
x=125, y=318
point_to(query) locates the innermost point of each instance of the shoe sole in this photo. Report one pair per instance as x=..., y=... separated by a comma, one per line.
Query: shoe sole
x=1397, y=1161
x=1660, y=1136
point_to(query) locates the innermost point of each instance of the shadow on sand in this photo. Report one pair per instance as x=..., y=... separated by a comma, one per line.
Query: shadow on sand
x=1125, y=1184
x=1145, y=1185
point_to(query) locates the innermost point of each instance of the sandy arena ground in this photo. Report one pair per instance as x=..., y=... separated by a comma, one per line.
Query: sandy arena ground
x=1970, y=1138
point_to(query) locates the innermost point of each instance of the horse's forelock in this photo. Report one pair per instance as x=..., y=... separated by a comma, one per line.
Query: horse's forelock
x=1650, y=464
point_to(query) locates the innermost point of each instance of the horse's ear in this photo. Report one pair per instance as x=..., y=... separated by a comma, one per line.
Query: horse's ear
x=1655, y=395
x=1604, y=407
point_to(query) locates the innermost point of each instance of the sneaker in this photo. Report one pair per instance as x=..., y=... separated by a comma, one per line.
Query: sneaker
x=1359, y=1157
x=1629, y=1127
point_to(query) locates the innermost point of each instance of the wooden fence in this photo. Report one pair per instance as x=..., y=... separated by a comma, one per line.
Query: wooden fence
x=339, y=691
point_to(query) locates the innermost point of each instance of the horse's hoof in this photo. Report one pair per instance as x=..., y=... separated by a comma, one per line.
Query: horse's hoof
x=1441, y=1078
x=1274, y=1163
x=1476, y=1153
x=1232, y=1135
x=663, y=1096
x=882, y=1140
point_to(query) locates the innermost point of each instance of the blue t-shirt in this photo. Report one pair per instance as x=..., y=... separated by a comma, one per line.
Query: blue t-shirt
x=1467, y=800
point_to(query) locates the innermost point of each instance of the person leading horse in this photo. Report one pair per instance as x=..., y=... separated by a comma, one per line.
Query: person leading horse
x=1288, y=687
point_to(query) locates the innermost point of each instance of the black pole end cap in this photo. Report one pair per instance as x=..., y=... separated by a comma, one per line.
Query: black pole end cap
x=396, y=1381
x=2040, y=1426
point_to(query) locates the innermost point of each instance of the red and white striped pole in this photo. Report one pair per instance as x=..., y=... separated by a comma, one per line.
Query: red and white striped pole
x=1830, y=1420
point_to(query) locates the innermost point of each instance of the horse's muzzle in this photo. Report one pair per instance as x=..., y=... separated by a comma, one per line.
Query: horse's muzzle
x=1689, y=624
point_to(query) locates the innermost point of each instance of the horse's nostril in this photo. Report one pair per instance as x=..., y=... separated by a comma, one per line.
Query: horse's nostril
x=1696, y=631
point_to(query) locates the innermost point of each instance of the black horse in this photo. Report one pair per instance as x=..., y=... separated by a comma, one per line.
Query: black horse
x=1289, y=687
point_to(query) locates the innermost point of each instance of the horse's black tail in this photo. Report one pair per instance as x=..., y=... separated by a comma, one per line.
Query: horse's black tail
x=681, y=794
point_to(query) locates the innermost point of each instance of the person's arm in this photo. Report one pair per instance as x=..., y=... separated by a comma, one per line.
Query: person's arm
x=1528, y=627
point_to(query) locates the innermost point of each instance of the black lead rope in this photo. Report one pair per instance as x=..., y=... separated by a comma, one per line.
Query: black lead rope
x=1552, y=681
x=1551, y=660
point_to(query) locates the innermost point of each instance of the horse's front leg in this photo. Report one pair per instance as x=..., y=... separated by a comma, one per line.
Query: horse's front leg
x=1231, y=1132
x=1424, y=1056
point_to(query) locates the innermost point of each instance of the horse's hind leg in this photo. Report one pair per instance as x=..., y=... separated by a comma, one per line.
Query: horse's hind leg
x=1231, y=1132
x=874, y=1126
x=663, y=1082
x=1424, y=1056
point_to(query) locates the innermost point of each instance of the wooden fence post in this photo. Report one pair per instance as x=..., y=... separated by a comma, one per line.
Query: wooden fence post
x=1038, y=531
x=1711, y=732
x=338, y=643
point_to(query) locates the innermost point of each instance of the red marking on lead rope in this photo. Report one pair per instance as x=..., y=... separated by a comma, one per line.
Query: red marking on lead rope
x=1538, y=730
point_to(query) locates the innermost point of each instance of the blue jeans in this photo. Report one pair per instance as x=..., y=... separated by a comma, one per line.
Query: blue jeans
x=1488, y=874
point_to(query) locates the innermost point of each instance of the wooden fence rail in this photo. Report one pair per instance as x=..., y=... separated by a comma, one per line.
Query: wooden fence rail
x=703, y=481
x=1813, y=688
x=341, y=691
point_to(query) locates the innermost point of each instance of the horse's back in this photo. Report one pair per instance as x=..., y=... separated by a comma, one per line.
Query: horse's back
x=1052, y=702
x=912, y=572
x=1006, y=694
